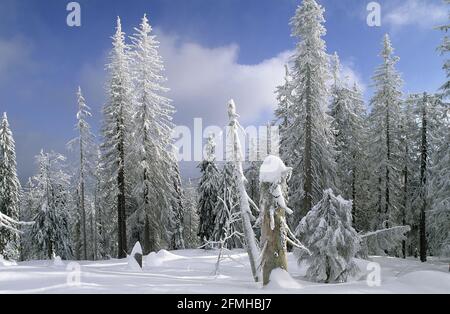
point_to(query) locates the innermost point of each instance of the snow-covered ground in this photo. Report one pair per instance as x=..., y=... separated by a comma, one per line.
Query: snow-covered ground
x=191, y=272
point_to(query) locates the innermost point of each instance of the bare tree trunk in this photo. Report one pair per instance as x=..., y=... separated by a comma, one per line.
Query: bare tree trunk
x=388, y=177
x=246, y=214
x=308, y=185
x=121, y=209
x=405, y=204
x=354, y=222
x=147, y=244
x=83, y=218
x=423, y=182
x=273, y=240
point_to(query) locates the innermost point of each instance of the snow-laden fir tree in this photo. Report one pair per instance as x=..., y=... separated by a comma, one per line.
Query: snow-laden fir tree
x=384, y=143
x=439, y=219
x=328, y=234
x=433, y=127
x=309, y=142
x=208, y=191
x=191, y=217
x=234, y=155
x=409, y=132
x=28, y=211
x=116, y=131
x=101, y=230
x=444, y=49
x=348, y=112
x=252, y=170
x=152, y=137
x=176, y=217
x=84, y=145
x=9, y=191
x=283, y=113
x=439, y=191
x=226, y=207
x=50, y=231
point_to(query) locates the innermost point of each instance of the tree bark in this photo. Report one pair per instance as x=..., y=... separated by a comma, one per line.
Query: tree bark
x=308, y=152
x=121, y=203
x=147, y=240
x=423, y=182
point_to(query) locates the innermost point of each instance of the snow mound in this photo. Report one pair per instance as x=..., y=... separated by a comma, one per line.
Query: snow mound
x=272, y=170
x=5, y=263
x=158, y=259
x=280, y=279
x=431, y=281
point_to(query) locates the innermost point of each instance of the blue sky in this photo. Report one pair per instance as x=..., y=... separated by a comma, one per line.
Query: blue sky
x=214, y=50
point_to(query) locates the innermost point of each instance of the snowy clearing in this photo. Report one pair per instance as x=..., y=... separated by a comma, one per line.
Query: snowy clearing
x=191, y=272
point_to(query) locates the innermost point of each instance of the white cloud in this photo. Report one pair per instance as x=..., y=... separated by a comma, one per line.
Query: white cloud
x=13, y=53
x=351, y=76
x=422, y=13
x=202, y=80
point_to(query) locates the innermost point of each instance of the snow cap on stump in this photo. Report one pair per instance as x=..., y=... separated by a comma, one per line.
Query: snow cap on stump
x=273, y=170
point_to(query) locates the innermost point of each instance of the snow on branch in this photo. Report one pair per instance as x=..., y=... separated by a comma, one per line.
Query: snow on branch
x=380, y=241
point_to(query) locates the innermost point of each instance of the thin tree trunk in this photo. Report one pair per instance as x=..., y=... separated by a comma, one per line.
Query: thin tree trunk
x=308, y=151
x=405, y=203
x=147, y=240
x=121, y=204
x=423, y=181
x=388, y=147
x=251, y=245
x=83, y=218
x=354, y=197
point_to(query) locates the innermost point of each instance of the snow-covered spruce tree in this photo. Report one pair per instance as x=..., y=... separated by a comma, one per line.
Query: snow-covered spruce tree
x=409, y=131
x=84, y=145
x=9, y=191
x=208, y=191
x=348, y=112
x=177, y=210
x=384, y=134
x=28, y=210
x=152, y=137
x=444, y=49
x=51, y=229
x=284, y=114
x=328, y=234
x=309, y=142
x=439, y=187
x=424, y=154
x=235, y=156
x=103, y=222
x=439, y=218
x=433, y=128
x=227, y=208
x=117, y=114
x=191, y=219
